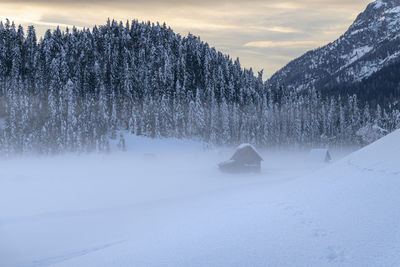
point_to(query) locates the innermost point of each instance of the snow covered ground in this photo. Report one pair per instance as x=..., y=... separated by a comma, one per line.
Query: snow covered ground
x=164, y=203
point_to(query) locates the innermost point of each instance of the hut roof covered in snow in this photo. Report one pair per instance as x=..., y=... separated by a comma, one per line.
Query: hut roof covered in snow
x=246, y=154
x=320, y=155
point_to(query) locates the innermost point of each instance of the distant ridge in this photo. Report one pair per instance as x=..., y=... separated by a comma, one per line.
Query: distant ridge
x=371, y=43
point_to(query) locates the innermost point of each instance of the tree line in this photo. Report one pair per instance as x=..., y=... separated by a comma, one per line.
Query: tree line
x=74, y=90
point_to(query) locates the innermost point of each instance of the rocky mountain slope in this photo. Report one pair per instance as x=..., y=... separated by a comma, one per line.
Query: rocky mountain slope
x=371, y=43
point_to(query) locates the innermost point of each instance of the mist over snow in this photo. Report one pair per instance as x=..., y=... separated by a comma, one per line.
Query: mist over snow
x=165, y=203
x=117, y=146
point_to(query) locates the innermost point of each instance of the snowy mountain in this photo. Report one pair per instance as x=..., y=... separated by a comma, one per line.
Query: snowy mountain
x=382, y=87
x=371, y=43
x=119, y=210
x=72, y=91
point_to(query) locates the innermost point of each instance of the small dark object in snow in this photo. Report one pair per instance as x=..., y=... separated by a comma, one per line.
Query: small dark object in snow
x=320, y=155
x=246, y=159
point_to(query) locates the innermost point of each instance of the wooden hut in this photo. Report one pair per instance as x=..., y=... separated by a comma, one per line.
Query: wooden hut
x=245, y=159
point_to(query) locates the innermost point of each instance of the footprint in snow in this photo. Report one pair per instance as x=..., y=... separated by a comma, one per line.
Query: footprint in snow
x=319, y=233
x=335, y=254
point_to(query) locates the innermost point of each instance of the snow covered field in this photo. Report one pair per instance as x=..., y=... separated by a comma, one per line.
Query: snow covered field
x=164, y=203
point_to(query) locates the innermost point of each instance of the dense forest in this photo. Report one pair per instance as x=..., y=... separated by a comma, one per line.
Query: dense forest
x=74, y=90
x=382, y=87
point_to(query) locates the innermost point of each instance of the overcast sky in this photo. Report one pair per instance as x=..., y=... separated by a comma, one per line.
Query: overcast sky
x=264, y=34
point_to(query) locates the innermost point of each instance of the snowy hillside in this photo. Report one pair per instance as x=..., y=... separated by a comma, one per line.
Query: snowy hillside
x=173, y=208
x=370, y=43
x=77, y=88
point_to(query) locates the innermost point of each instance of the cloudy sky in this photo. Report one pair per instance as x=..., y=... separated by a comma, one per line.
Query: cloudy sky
x=264, y=34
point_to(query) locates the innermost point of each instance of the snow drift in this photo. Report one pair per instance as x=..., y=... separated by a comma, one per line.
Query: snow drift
x=116, y=211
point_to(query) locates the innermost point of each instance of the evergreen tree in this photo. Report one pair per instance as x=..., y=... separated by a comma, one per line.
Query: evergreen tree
x=74, y=90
